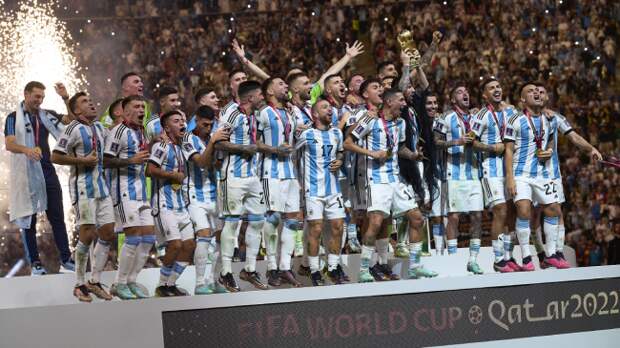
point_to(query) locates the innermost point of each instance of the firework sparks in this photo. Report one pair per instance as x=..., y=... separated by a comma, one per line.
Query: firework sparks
x=35, y=46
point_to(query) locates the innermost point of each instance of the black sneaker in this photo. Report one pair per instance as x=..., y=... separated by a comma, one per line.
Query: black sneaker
x=253, y=278
x=334, y=276
x=304, y=271
x=273, y=278
x=343, y=276
x=541, y=257
x=377, y=273
x=176, y=291
x=163, y=291
x=387, y=271
x=228, y=281
x=317, y=279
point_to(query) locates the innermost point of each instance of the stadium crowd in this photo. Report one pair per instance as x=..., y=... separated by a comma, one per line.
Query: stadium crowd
x=571, y=47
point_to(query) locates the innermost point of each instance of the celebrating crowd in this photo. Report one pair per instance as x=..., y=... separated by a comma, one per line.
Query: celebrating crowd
x=312, y=151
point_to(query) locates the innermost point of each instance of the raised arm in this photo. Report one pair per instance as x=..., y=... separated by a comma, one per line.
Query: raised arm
x=351, y=52
x=253, y=68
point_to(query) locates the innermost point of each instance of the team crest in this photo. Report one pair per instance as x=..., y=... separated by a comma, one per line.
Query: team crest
x=62, y=142
x=159, y=153
x=509, y=132
x=188, y=147
x=114, y=147
x=476, y=126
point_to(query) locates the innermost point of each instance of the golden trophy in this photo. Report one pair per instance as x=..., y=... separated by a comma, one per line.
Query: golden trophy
x=405, y=39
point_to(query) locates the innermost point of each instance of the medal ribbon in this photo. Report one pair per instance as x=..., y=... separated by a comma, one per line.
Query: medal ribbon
x=388, y=135
x=537, y=132
x=284, y=121
x=463, y=119
x=500, y=126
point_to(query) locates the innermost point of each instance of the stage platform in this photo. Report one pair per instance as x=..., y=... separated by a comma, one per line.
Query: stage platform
x=571, y=307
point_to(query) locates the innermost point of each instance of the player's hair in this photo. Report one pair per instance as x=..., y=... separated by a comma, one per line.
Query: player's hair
x=246, y=87
x=73, y=100
x=383, y=65
x=315, y=106
x=293, y=77
x=390, y=93
x=292, y=72
x=329, y=77
x=131, y=98
x=202, y=92
x=32, y=85
x=485, y=82
x=164, y=118
x=166, y=91
x=527, y=83
x=205, y=112
x=233, y=72
x=364, y=86
x=114, y=104
x=267, y=83
x=456, y=86
x=128, y=75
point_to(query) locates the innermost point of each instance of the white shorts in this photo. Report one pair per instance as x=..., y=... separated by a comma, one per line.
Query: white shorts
x=396, y=198
x=494, y=191
x=204, y=216
x=281, y=195
x=243, y=195
x=134, y=214
x=464, y=196
x=174, y=225
x=438, y=207
x=330, y=208
x=94, y=211
x=560, y=188
x=536, y=190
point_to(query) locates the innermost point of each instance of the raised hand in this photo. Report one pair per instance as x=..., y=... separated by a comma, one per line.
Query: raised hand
x=355, y=50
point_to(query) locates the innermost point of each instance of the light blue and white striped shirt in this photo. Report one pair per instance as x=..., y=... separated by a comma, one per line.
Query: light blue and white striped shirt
x=489, y=130
x=320, y=148
x=461, y=161
x=201, y=184
x=525, y=162
x=168, y=157
x=276, y=127
x=128, y=183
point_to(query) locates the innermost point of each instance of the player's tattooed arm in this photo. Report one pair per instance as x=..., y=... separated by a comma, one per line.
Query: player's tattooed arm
x=497, y=149
x=155, y=171
x=227, y=146
x=584, y=145
x=115, y=162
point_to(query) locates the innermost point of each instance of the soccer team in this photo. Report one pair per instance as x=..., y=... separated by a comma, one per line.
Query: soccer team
x=292, y=164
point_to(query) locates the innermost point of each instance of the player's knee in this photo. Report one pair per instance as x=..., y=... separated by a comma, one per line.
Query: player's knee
x=500, y=211
x=453, y=219
x=415, y=218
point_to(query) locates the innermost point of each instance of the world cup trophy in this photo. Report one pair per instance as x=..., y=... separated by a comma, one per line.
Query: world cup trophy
x=405, y=39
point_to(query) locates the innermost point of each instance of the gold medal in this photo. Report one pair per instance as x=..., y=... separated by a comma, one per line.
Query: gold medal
x=37, y=150
x=389, y=153
x=471, y=134
x=176, y=187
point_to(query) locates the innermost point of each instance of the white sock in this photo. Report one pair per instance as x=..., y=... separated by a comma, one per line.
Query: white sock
x=81, y=261
x=252, y=241
x=179, y=267
x=438, y=230
x=270, y=231
x=474, y=249
x=415, y=249
x=164, y=273
x=550, y=225
x=201, y=257
x=523, y=235
x=102, y=249
x=366, y=257
x=227, y=243
x=452, y=246
x=382, y=250
x=127, y=258
x=498, y=249
x=507, y=239
x=560, y=240
x=143, y=252
x=313, y=263
x=332, y=261
x=287, y=244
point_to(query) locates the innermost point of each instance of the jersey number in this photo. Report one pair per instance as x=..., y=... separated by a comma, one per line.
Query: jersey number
x=550, y=188
x=327, y=149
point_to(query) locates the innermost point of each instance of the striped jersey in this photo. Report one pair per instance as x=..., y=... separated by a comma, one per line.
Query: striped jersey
x=559, y=124
x=276, y=127
x=489, y=126
x=168, y=157
x=128, y=183
x=354, y=163
x=303, y=116
x=242, y=132
x=80, y=140
x=525, y=162
x=320, y=148
x=378, y=134
x=461, y=161
x=152, y=129
x=201, y=184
